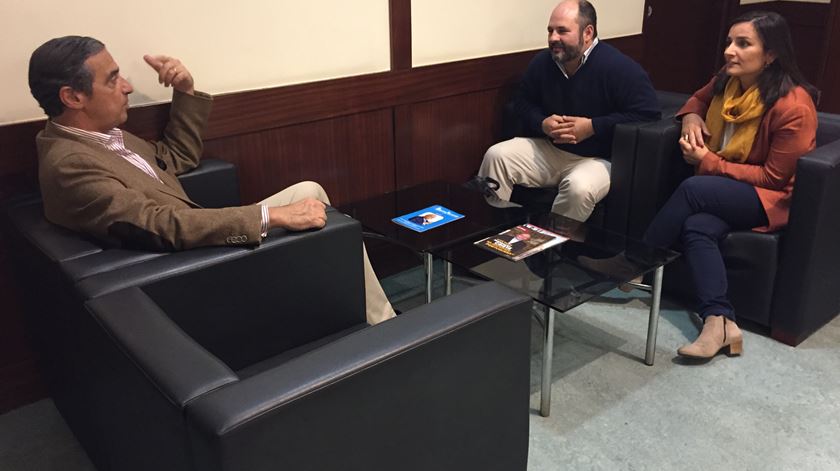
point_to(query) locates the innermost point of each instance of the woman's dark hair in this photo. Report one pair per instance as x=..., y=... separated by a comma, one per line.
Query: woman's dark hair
x=57, y=63
x=782, y=75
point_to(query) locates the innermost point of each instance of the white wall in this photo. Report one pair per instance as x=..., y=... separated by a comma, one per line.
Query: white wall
x=448, y=30
x=232, y=46
x=228, y=45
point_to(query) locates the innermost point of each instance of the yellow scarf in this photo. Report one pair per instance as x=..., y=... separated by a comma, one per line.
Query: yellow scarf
x=743, y=111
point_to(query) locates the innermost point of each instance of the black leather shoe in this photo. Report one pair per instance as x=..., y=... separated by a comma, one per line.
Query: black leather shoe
x=484, y=185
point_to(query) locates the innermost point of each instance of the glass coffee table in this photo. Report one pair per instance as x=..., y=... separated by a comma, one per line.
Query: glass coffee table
x=564, y=276
x=479, y=219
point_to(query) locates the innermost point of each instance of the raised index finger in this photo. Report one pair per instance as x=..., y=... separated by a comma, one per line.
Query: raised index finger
x=156, y=62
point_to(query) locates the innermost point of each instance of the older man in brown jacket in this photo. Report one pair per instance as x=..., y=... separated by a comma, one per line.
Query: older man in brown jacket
x=98, y=179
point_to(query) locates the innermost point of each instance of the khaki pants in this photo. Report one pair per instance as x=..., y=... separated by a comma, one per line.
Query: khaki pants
x=581, y=181
x=376, y=303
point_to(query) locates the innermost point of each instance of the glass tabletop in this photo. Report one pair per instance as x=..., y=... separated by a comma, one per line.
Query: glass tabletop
x=479, y=219
x=592, y=262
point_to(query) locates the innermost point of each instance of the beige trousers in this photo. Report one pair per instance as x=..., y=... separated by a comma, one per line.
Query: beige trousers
x=376, y=303
x=581, y=181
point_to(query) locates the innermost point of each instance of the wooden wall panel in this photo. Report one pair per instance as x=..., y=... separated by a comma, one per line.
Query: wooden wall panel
x=19, y=375
x=446, y=139
x=400, y=29
x=681, y=42
x=829, y=75
x=352, y=157
x=808, y=28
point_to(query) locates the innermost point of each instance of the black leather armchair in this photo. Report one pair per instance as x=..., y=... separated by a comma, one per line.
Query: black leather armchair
x=194, y=385
x=236, y=358
x=785, y=281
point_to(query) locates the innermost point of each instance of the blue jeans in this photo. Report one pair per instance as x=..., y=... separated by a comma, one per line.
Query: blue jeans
x=700, y=213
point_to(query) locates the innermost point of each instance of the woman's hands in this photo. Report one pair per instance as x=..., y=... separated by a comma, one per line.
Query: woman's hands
x=694, y=130
x=692, y=138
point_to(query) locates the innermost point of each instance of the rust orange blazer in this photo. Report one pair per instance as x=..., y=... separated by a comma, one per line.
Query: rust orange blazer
x=787, y=131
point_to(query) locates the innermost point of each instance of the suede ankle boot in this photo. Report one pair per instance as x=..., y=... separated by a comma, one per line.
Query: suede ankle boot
x=718, y=333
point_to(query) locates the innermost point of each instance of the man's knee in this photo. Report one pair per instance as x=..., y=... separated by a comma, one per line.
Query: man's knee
x=494, y=158
x=310, y=189
x=584, y=192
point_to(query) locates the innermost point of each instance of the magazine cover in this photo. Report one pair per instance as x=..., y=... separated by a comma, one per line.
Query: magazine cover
x=428, y=218
x=521, y=241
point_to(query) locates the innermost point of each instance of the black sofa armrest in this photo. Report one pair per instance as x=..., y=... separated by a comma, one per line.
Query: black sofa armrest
x=175, y=263
x=623, y=167
x=27, y=224
x=213, y=184
x=807, y=296
x=173, y=362
x=444, y=386
x=659, y=170
x=246, y=304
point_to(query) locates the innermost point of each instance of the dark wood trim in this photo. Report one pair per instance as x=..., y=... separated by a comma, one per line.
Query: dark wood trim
x=809, y=29
x=402, y=140
x=633, y=46
x=17, y=153
x=731, y=9
x=400, y=27
x=237, y=113
x=829, y=69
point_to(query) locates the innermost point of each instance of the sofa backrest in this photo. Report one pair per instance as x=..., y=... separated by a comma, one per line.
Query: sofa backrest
x=828, y=128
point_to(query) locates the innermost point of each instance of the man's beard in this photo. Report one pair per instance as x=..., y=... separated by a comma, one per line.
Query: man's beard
x=567, y=52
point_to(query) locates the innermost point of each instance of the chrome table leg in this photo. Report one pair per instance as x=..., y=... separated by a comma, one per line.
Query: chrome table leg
x=548, y=354
x=653, y=320
x=427, y=263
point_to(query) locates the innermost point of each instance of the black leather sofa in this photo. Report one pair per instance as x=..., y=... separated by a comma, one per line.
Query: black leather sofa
x=227, y=358
x=786, y=281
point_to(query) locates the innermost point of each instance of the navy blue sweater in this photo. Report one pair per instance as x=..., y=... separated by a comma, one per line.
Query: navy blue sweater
x=610, y=88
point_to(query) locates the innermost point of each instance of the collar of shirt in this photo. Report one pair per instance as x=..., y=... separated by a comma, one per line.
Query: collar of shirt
x=113, y=141
x=582, y=60
x=98, y=137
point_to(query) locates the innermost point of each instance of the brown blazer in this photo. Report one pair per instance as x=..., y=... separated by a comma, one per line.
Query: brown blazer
x=787, y=131
x=87, y=188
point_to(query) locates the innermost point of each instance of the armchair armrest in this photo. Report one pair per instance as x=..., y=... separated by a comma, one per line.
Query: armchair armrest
x=623, y=167
x=244, y=305
x=174, y=363
x=444, y=386
x=212, y=184
x=807, y=295
x=659, y=170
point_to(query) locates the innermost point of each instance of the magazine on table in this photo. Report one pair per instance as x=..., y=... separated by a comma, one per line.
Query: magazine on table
x=428, y=218
x=521, y=241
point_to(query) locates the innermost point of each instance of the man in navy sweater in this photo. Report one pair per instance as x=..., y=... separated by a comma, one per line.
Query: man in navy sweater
x=568, y=103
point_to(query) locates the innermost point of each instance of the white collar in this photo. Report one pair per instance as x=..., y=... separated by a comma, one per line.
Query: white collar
x=582, y=60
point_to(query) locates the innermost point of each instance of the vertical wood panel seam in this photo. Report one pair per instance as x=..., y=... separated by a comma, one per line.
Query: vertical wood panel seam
x=399, y=12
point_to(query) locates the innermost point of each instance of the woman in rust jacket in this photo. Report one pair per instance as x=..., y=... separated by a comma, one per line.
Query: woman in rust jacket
x=744, y=132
